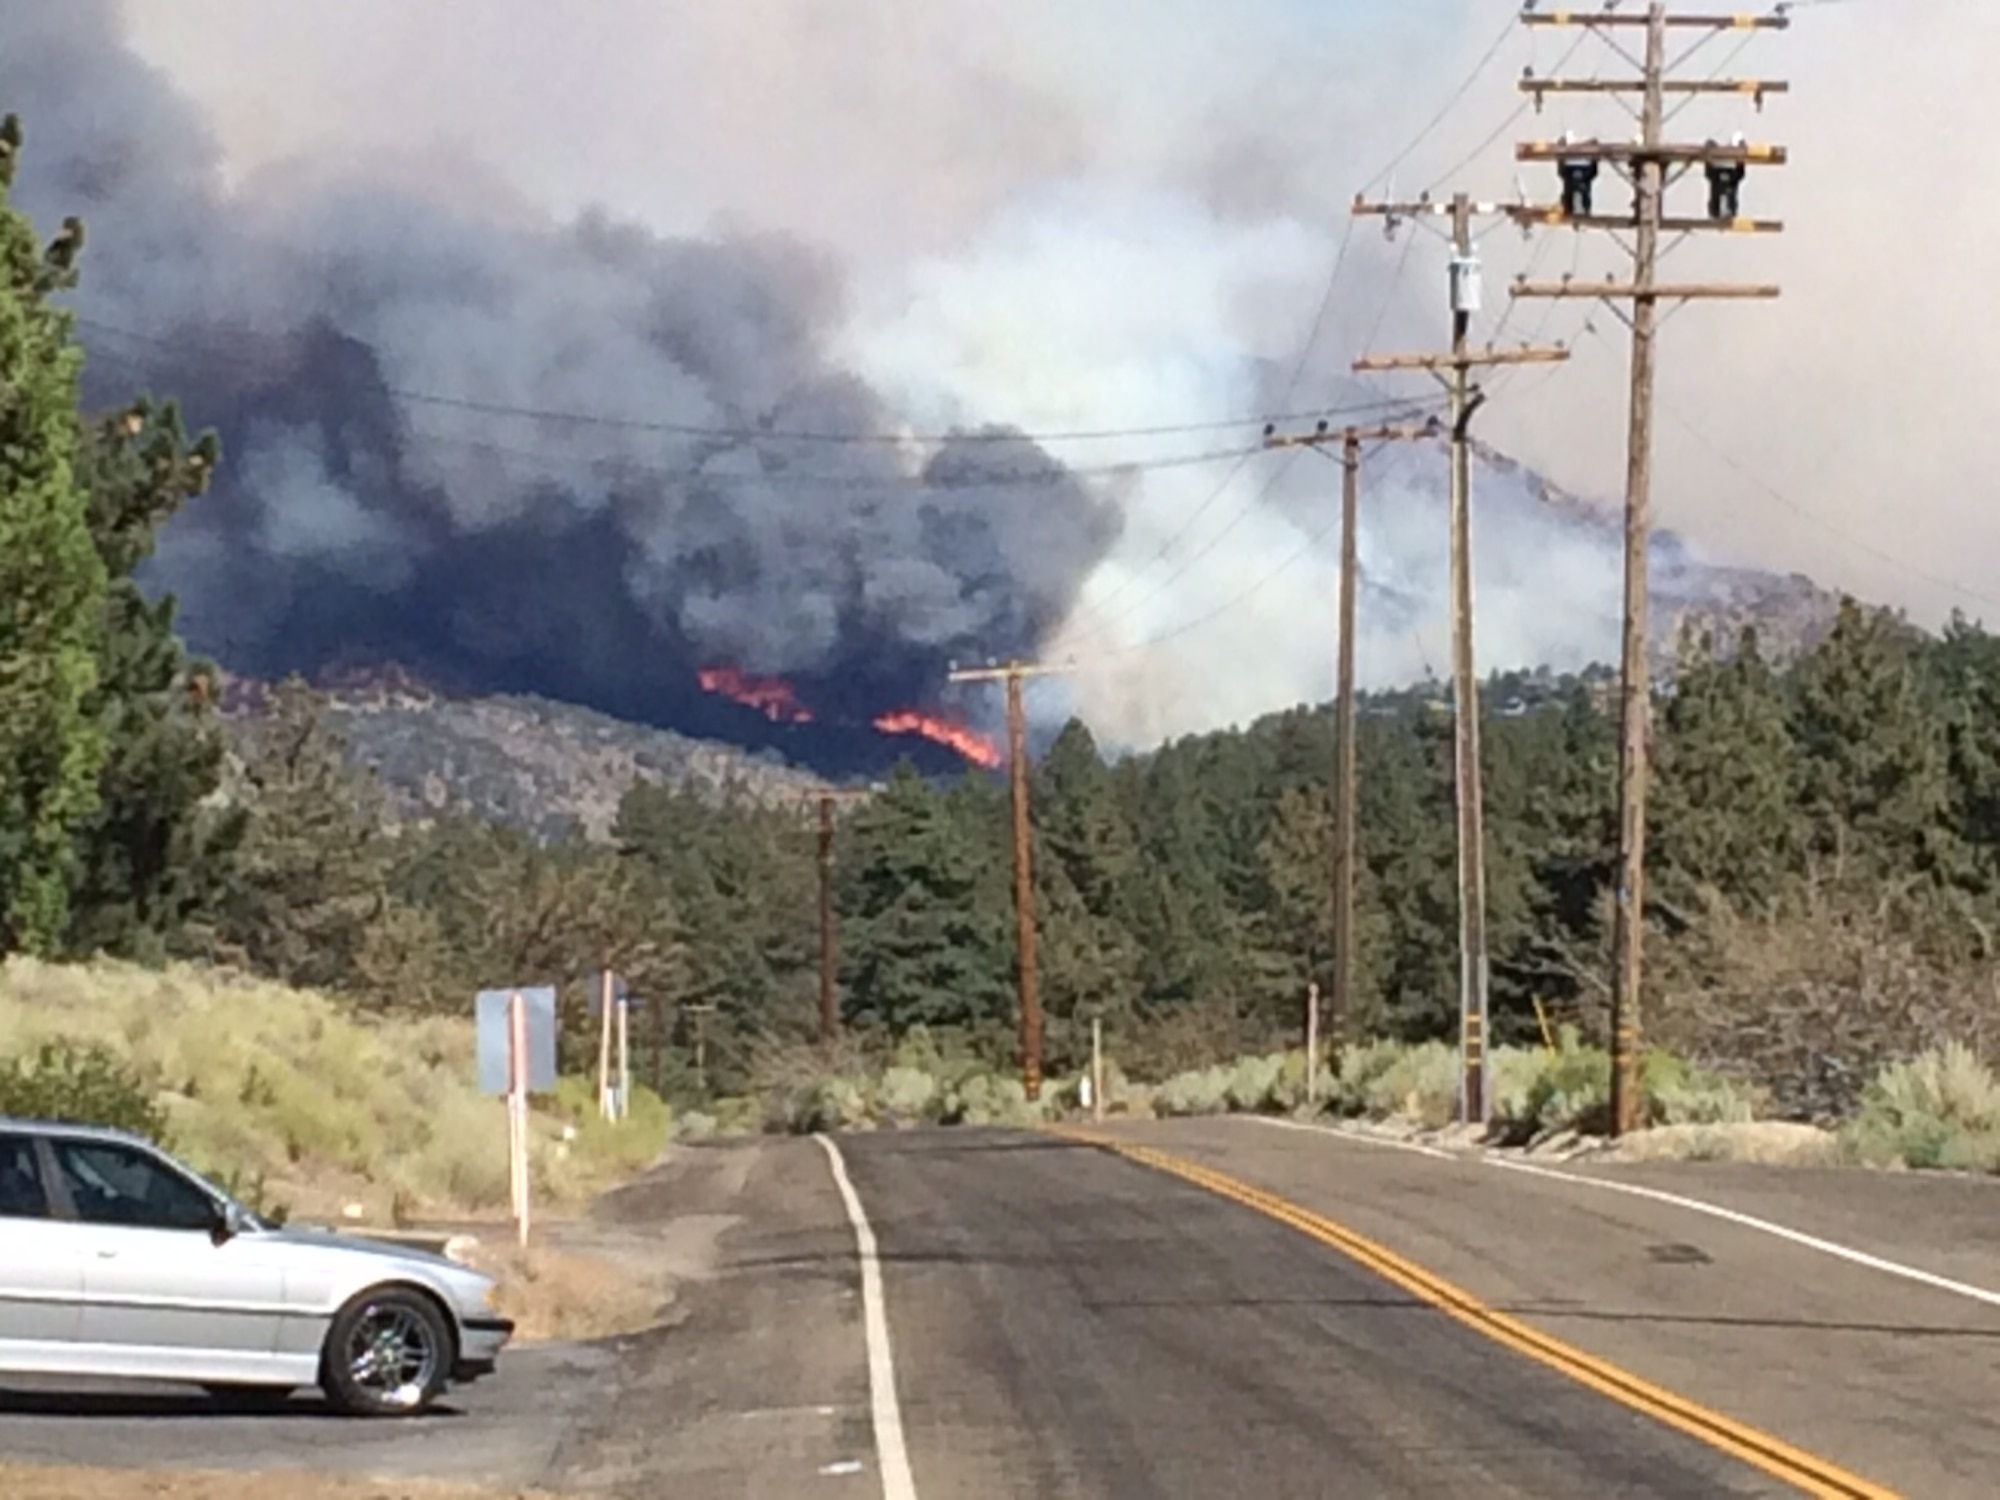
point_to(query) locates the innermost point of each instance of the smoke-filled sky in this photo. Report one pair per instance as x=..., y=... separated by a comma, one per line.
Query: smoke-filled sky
x=858, y=216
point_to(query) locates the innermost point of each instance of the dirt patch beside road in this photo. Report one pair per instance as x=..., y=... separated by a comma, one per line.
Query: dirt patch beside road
x=559, y=1293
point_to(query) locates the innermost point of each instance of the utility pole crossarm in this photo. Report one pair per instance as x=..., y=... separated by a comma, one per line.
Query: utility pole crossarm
x=1417, y=208
x=1325, y=436
x=1752, y=88
x=1467, y=361
x=1013, y=670
x=1598, y=20
x=1664, y=291
x=1552, y=216
x=1749, y=153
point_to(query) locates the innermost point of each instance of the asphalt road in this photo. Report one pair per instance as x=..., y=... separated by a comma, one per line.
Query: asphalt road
x=1066, y=1322
x=1894, y=1379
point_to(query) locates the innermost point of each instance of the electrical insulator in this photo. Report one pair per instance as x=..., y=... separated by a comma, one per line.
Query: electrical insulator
x=1465, y=284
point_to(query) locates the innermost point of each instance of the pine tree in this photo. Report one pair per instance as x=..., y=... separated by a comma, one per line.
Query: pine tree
x=1086, y=857
x=152, y=858
x=52, y=583
x=315, y=860
x=1871, y=753
x=1724, y=812
x=921, y=904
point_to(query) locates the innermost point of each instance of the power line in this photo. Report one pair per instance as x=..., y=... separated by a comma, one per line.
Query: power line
x=1804, y=512
x=1305, y=353
x=771, y=434
x=1263, y=493
x=1450, y=104
x=1305, y=549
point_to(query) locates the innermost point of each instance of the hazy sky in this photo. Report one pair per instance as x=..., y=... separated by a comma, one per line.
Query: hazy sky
x=1105, y=212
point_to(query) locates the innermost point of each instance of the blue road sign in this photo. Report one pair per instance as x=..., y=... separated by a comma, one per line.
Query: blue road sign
x=490, y=1009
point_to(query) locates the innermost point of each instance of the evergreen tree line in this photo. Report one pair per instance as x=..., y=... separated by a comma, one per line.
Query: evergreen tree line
x=1825, y=833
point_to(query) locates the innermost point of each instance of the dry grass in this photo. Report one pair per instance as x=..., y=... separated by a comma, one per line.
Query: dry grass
x=293, y=1097
x=33, y=1483
x=554, y=1293
x=1767, y=1143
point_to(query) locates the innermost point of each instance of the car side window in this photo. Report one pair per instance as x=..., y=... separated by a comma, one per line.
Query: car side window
x=23, y=1195
x=113, y=1184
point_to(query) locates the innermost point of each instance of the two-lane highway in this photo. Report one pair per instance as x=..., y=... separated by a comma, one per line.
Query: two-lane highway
x=1200, y=1309
x=1065, y=1322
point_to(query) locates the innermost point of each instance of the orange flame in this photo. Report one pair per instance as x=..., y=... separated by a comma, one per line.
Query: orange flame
x=770, y=696
x=974, y=746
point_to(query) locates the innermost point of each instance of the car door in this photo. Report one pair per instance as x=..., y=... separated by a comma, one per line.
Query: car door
x=41, y=1267
x=163, y=1295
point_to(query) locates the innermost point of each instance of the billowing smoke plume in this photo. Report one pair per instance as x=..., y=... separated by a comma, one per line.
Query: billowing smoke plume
x=314, y=319
x=875, y=212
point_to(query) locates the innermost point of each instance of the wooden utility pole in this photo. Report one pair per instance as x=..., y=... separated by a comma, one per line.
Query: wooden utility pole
x=1346, y=792
x=829, y=1000
x=701, y=1013
x=1455, y=369
x=1651, y=164
x=1026, y=980
x=829, y=956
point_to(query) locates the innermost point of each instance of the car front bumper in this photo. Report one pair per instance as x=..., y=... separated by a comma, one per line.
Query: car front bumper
x=480, y=1341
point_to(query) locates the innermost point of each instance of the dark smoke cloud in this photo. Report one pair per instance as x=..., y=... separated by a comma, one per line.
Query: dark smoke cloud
x=306, y=315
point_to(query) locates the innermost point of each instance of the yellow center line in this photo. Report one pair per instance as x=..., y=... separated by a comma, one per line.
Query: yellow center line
x=1770, y=1455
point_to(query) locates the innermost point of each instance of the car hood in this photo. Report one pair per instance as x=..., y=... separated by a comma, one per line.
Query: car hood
x=355, y=1244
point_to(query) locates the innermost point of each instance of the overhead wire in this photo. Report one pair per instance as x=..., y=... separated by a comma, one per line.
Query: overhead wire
x=1478, y=70
x=772, y=434
x=1236, y=601
x=1772, y=492
x=1409, y=405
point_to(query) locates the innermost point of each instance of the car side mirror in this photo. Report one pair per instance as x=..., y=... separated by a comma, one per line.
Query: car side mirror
x=230, y=1221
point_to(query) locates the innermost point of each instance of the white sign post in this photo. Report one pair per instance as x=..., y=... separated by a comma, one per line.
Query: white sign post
x=517, y=1057
x=517, y=1108
x=1312, y=1043
x=624, y=1054
x=1097, y=1070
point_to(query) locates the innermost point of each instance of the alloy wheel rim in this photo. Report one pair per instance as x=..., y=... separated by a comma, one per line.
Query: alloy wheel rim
x=392, y=1355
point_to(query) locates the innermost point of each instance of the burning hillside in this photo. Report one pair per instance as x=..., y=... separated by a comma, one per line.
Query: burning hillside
x=778, y=701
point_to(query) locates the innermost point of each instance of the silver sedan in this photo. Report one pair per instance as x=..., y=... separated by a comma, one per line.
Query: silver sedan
x=118, y=1262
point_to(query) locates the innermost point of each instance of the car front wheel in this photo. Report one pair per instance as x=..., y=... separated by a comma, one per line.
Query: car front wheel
x=388, y=1354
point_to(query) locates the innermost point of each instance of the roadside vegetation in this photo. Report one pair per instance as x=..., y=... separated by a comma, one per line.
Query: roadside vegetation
x=292, y=1100
x=1938, y=1110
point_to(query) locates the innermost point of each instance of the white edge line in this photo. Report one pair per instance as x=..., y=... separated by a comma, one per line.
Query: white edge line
x=1675, y=1200
x=890, y=1451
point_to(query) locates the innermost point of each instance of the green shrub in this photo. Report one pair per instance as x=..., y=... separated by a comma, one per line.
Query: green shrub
x=1203, y=1092
x=1254, y=1083
x=81, y=1083
x=909, y=1093
x=1573, y=1089
x=1939, y=1110
x=694, y=1125
x=1677, y=1093
x=1388, y=1080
